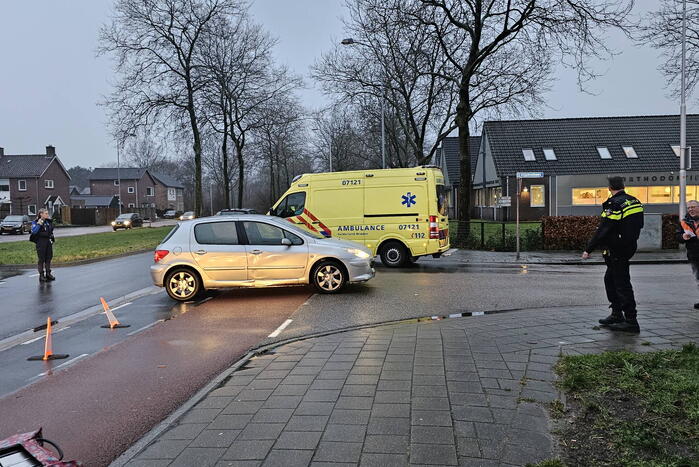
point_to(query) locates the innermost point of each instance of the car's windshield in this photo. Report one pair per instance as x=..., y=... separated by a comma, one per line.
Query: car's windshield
x=296, y=229
x=124, y=217
x=188, y=213
x=13, y=219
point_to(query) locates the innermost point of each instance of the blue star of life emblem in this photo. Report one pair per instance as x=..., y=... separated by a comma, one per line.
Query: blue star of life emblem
x=408, y=199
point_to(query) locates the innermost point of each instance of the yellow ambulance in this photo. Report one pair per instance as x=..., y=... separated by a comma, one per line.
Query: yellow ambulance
x=399, y=214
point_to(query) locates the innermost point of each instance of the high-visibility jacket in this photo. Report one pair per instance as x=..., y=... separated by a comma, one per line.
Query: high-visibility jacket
x=689, y=224
x=622, y=221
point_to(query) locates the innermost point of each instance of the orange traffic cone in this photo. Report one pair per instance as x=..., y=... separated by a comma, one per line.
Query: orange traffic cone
x=48, y=351
x=113, y=322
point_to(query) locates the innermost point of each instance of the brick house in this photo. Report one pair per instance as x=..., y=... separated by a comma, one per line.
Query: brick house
x=29, y=182
x=137, y=186
x=169, y=193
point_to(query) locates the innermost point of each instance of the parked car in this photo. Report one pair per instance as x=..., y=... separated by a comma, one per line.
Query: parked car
x=254, y=251
x=170, y=214
x=15, y=225
x=234, y=211
x=187, y=216
x=127, y=221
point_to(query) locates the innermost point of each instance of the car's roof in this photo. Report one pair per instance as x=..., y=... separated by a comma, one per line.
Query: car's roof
x=241, y=217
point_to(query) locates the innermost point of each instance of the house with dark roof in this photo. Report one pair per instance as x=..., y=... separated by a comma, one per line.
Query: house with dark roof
x=448, y=159
x=29, y=182
x=137, y=186
x=169, y=192
x=574, y=157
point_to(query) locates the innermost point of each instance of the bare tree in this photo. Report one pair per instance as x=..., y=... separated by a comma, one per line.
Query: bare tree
x=662, y=28
x=243, y=81
x=146, y=150
x=393, y=57
x=157, y=45
x=502, y=52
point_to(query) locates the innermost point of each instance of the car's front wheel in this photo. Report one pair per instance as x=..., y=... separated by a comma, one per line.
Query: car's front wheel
x=328, y=277
x=182, y=284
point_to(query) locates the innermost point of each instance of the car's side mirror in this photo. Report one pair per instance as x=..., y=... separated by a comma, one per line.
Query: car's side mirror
x=286, y=242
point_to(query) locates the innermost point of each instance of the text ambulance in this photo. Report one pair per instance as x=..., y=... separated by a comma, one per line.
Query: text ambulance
x=400, y=214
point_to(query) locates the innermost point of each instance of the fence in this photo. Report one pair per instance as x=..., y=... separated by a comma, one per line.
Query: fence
x=493, y=235
x=99, y=216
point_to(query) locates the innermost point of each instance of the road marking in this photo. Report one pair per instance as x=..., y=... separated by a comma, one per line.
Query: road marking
x=450, y=251
x=144, y=327
x=121, y=306
x=34, y=275
x=281, y=328
x=478, y=313
x=72, y=360
x=41, y=337
x=455, y=315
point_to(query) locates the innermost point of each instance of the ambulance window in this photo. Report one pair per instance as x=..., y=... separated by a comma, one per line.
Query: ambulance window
x=442, y=200
x=292, y=205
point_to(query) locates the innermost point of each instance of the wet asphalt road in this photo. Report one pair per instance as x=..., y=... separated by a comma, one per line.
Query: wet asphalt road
x=118, y=384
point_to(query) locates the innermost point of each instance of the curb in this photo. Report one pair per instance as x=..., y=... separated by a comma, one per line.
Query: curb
x=78, y=262
x=12, y=341
x=577, y=263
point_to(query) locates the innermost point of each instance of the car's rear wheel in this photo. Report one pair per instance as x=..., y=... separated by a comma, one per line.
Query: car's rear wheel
x=328, y=277
x=393, y=254
x=182, y=284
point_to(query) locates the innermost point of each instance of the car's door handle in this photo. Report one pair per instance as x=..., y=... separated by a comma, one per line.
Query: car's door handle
x=256, y=252
x=200, y=252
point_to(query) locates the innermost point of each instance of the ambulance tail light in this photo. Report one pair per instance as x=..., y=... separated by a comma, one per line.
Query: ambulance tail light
x=434, y=228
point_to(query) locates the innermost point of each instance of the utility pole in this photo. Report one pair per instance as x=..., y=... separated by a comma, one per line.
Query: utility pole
x=683, y=117
x=119, y=173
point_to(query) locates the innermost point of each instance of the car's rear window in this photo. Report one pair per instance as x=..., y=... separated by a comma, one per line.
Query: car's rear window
x=171, y=233
x=216, y=233
x=442, y=200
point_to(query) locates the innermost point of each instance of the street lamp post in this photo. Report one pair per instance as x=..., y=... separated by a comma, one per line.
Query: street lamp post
x=351, y=41
x=683, y=117
x=119, y=173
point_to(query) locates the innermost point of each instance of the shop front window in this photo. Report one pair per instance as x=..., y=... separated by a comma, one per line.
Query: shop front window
x=659, y=194
x=584, y=196
x=640, y=192
x=691, y=194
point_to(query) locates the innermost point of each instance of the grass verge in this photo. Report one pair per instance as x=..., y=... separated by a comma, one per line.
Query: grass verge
x=81, y=247
x=631, y=409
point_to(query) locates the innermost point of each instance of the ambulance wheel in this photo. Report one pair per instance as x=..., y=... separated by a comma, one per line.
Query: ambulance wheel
x=328, y=277
x=394, y=254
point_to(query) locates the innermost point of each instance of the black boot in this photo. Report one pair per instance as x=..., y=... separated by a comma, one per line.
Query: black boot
x=614, y=318
x=627, y=325
x=49, y=276
x=42, y=277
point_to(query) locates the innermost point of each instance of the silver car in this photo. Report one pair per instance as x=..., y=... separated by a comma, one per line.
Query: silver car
x=251, y=250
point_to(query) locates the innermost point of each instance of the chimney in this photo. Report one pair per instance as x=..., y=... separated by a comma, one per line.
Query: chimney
x=50, y=150
x=2, y=152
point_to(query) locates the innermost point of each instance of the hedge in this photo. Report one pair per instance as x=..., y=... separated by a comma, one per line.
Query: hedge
x=573, y=232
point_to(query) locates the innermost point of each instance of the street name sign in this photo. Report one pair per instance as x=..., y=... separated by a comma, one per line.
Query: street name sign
x=505, y=201
x=530, y=174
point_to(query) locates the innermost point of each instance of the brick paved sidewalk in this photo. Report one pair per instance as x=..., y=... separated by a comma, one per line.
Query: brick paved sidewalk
x=451, y=392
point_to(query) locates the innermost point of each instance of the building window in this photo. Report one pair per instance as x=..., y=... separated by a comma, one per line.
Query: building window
x=691, y=194
x=5, y=185
x=132, y=190
x=31, y=210
x=604, y=153
x=659, y=195
x=22, y=185
x=528, y=155
x=48, y=184
x=538, y=196
x=549, y=154
x=150, y=191
x=630, y=152
x=116, y=182
x=131, y=205
x=171, y=194
x=640, y=192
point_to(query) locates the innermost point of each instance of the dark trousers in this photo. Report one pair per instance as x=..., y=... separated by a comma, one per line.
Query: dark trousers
x=44, y=251
x=617, y=282
x=695, y=269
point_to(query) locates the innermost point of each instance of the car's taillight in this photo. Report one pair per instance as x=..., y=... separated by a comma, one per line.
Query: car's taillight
x=160, y=254
x=434, y=228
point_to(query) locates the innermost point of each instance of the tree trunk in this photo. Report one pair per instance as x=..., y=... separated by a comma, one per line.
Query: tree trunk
x=241, y=172
x=463, y=117
x=224, y=155
x=197, y=150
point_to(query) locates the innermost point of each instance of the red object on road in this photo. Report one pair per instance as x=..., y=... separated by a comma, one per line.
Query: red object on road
x=27, y=449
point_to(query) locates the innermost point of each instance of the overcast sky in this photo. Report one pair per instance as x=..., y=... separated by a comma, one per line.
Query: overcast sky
x=51, y=82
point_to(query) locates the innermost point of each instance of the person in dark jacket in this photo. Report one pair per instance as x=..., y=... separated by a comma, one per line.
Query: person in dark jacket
x=687, y=234
x=42, y=236
x=617, y=236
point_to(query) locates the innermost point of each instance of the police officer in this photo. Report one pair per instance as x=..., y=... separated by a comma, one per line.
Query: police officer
x=42, y=236
x=617, y=234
